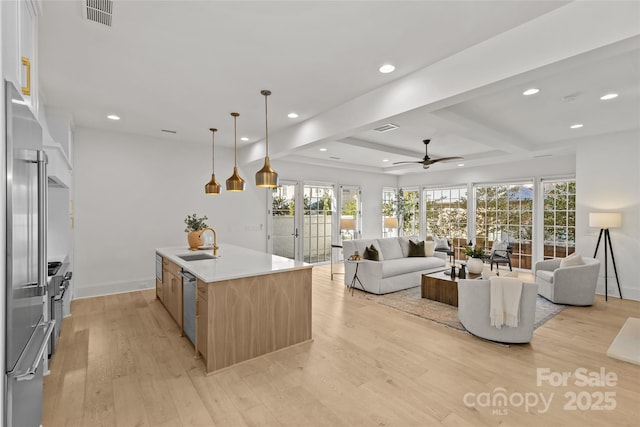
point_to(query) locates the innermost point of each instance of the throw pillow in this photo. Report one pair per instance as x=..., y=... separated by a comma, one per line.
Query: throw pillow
x=442, y=244
x=499, y=246
x=416, y=249
x=371, y=253
x=429, y=248
x=572, y=260
x=429, y=238
x=390, y=248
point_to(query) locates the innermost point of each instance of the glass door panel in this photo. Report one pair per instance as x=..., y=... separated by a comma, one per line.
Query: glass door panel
x=317, y=229
x=284, y=236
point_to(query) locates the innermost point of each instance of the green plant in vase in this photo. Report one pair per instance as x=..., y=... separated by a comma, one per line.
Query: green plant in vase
x=475, y=252
x=194, y=227
x=474, y=259
x=194, y=223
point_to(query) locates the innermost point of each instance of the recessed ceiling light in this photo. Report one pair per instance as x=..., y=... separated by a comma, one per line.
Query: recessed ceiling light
x=113, y=117
x=292, y=115
x=386, y=68
x=609, y=96
x=385, y=160
x=576, y=126
x=531, y=91
x=244, y=138
x=323, y=149
x=460, y=164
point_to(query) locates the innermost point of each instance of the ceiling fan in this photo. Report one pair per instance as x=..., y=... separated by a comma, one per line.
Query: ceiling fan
x=428, y=161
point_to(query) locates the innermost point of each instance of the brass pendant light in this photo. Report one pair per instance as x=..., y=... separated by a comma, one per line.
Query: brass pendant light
x=213, y=186
x=235, y=183
x=266, y=177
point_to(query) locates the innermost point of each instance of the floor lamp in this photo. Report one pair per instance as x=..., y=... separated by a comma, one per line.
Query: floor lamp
x=604, y=221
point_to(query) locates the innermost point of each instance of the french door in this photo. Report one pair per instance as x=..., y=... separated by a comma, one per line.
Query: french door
x=285, y=230
x=317, y=231
x=302, y=217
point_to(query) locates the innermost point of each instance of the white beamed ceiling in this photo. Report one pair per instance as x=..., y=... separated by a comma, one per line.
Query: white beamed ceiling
x=185, y=66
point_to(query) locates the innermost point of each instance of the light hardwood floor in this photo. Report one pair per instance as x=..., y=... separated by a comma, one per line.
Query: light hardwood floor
x=121, y=362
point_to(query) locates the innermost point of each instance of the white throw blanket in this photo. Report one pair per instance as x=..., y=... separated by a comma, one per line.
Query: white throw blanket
x=505, y=301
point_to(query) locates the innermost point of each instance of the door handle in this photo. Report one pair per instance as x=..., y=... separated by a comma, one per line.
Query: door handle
x=30, y=372
x=295, y=234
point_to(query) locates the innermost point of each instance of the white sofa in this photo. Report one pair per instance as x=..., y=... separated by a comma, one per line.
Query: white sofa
x=395, y=271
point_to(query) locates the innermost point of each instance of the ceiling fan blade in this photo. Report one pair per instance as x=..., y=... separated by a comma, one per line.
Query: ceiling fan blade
x=444, y=159
x=399, y=163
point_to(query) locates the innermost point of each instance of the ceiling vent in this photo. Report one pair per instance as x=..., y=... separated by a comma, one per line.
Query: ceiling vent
x=386, y=128
x=99, y=11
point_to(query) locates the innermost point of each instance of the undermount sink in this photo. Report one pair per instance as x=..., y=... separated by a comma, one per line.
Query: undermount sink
x=196, y=257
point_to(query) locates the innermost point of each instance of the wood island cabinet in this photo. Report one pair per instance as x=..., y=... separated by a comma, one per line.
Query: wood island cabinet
x=243, y=318
x=239, y=316
x=202, y=318
x=171, y=290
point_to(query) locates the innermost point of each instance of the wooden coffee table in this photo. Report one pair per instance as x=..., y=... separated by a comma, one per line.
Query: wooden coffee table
x=441, y=287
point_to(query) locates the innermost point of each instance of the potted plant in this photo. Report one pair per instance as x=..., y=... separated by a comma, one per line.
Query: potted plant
x=194, y=227
x=474, y=259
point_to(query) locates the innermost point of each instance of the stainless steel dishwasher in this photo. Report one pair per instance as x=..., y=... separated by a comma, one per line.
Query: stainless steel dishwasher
x=189, y=304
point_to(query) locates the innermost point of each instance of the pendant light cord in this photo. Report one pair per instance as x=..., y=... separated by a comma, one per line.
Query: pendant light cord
x=235, y=141
x=266, y=125
x=213, y=150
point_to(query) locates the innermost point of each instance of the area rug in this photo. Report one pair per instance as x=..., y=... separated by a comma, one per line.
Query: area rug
x=410, y=301
x=626, y=345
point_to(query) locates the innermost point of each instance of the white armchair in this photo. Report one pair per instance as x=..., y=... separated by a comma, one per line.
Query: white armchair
x=575, y=285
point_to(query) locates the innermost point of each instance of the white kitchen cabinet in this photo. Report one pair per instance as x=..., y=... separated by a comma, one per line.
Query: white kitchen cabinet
x=20, y=47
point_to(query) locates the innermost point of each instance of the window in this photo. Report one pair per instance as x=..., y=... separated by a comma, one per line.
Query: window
x=389, y=212
x=409, y=202
x=349, y=212
x=559, y=218
x=446, y=215
x=505, y=212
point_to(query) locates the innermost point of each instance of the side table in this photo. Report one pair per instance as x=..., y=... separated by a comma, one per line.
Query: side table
x=332, y=248
x=355, y=276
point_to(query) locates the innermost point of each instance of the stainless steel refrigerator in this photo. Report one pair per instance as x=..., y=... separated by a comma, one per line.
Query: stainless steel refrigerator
x=27, y=330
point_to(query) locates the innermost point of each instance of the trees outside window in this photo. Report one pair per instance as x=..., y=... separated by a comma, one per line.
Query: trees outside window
x=446, y=215
x=409, y=206
x=505, y=212
x=559, y=198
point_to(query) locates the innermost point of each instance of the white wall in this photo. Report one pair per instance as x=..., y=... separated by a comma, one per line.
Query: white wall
x=132, y=194
x=371, y=185
x=608, y=179
x=58, y=227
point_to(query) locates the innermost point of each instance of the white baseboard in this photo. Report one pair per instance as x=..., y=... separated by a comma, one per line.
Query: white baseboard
x=612, y=288
x=110, y=288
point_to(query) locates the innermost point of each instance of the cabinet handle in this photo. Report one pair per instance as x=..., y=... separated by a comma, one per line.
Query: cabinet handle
x=26, y=90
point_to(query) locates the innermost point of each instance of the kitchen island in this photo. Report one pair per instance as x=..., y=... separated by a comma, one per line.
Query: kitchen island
x=247, y=303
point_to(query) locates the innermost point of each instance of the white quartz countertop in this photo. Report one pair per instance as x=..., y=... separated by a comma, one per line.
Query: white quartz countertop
x=233, y=262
